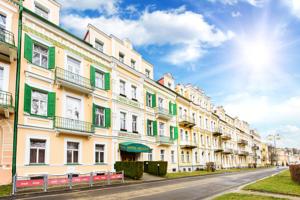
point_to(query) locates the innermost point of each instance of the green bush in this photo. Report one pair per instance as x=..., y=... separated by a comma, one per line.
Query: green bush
x=210, y=166
x=295, y=173
x=151, y=167
x=132, y=169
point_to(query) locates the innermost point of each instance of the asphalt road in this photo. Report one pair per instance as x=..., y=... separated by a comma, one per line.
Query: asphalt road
x=201, y=187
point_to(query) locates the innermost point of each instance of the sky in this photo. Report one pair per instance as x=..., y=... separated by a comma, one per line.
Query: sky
x=243, y=53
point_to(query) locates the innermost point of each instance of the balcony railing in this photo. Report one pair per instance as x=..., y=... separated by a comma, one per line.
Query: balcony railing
x=163, y=113
x=7, y=37
x=242, y=142
x=227, y=151
x=217, y=132
x=73, y=80
x=218, y=149
x=226, y=136
x=186, y=121
x=188, y=144
x=164, y=140
x=73, y=125
x=5, y=99
x=243, y=153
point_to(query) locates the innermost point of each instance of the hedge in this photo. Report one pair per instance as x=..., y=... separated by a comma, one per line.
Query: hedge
x=152, y=167
x=295, y=173
x=210, y=166
x=132, y=169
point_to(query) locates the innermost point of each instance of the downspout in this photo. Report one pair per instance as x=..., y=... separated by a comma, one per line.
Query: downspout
x=17, y=90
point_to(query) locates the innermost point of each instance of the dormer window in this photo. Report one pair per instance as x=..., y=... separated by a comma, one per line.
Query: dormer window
x=147, y=72
x=133, y=64
x=121, y=57
x=41, y=10
x=169, y=85
x=99, y=45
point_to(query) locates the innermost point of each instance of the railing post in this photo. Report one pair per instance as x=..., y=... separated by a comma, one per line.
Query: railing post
x=14, y=185
x=70, y=176
x=45, y=182
x=123, y=176
x=91, y=179
x=108, y=178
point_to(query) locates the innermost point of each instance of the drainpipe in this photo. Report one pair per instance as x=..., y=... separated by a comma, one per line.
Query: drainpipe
x=17, y=89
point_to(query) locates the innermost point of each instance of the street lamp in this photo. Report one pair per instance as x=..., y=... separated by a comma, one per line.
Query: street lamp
x=274, y=137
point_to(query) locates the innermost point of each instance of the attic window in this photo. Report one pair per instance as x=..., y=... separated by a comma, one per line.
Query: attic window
x=99, y=45
x=41, y=10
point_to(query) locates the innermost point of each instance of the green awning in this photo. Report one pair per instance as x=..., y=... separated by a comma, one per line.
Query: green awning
x=134, y=147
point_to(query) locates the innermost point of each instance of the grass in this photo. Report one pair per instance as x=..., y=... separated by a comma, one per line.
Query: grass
x=238, y=196
x=280, y=184
x=5, y=190
x=204, y=172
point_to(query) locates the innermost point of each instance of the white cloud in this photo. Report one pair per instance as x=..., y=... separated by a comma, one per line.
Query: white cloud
x=186, y=31
x=233, y=2
x=106, y=6
x=294, y=6
x=235, y=14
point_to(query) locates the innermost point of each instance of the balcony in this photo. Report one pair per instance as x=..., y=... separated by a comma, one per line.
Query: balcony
x=186, y=121
x=243, y=153
x=217, y=133
x=227, y=151
x=218, y=150
x=242, y=142
x=226, y=137
x=129, y=135
x=255, y=147
x=164, y=140
x=8, y=50
x=72, y=126
x=162, y=113
x=188, y=144
x=73, y=81
x=6, y=104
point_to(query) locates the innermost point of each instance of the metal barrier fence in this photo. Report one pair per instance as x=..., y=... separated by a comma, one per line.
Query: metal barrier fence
x=45, y=182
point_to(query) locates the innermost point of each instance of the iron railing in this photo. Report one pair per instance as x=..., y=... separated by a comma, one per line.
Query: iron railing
x=163, y=111
x=186, y=118
x=164, y=139
x=73, y=78
x=73, y=125
x=5, y=99
x=243, y=142
x=7, y=36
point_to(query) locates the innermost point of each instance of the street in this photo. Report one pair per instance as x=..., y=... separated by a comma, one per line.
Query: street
x=200, y=187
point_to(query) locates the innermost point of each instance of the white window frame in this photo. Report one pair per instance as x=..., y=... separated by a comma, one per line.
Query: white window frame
x=150, y=154
x=99, y=43
x=67, y=94
x=173, y=160
x=162, y=154
x=79, y=149
x=40, y=54
x=100, y=81
x=27, y=148
x=132, y=63
x=122, y=82
x=160, y=103
x=123, y=120
x=5, y=76
x=121, y=57
x=76, y=57
x=96, y=123
x=105, y=152
x=39, y=102
x=43, y=8
x=134, y=123
x=133, y=92
x=161, y=128
x=149, y=102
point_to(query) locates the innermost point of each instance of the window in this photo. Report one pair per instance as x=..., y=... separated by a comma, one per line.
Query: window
x=39, y=102
x=1, y=78
x=187, y=157
x=37, y=151
x=172, y=156
x=134, y=123
x=99, y=80
x=162, y=154
x=150, y=155
x=100, y=116
x=160, y=102
x=40, y=55
x=99, y=153
x=99, y=45
x=207, y=140
x=186, y=136
x=41, y=10
x=195, y=137
x=206, y=124
x=194, y=117
x=200, y=121
x=121, y=57
x=147, y=72
x=2, y=21
x=180, y=112
x=182, y=156
x=149, y=100
x=72, y=152
x=150, y=127
x=196, y=156
x=161, y=129
x=169, y=85
x=202, y=141
x=181, y=134
x=132, y=62
x=122, y=87
x=133, y=92
x=123, y=121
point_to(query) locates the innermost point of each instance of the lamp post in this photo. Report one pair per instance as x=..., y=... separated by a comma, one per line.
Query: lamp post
x=273, y=138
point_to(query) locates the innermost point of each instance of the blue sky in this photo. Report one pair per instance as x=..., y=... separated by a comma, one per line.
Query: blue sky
x=243, y=53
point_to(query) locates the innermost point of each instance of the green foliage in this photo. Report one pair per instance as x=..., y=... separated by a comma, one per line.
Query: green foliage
x=5, y=190
x=295, y=173
x=132, y=169
x=237, y=196
x=152, y=167
x=210, y=167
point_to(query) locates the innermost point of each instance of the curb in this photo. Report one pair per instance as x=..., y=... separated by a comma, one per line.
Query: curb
x=64, y=191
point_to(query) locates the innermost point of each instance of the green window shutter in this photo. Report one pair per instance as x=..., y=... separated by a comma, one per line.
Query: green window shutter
x=107, y=81
x=175, y=133
x=92, y=76
x=51, y=63
x=174, y=109
x=51, y=104
x=28, y=48
x=27, y=99
x=154, y=128
x=153, y=100
x=170, y=108
x=94, y=114
x=107, y=117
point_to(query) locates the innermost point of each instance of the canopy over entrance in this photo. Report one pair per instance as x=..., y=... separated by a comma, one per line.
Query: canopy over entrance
x=134, y=147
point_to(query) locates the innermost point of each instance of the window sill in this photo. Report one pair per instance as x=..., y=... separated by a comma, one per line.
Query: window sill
x=40, y=66
x=136, y=132
x=100, y=164
x=72, y=164
x=133, y=99
x=102, y=127
x=38, y=116
x=124, y=130
x=123, y=95
x=37, y=164
x=103, y=89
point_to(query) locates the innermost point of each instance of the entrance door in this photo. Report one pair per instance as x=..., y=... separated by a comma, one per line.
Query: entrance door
x=128, y=156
